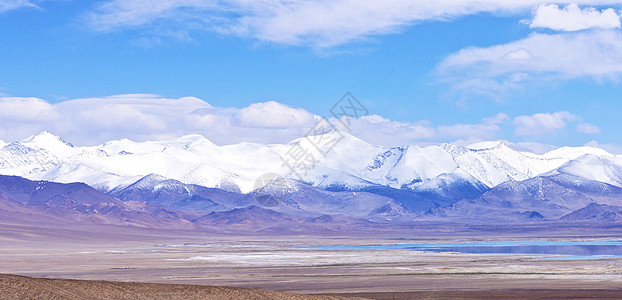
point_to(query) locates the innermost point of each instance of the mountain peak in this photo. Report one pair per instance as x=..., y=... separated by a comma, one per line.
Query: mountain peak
x=191, y=138
x=338, y=136
x=487, y=145
x=50, y=142
x=46, y=137
x=576, y=152
x=153, y=181
x=194, y=140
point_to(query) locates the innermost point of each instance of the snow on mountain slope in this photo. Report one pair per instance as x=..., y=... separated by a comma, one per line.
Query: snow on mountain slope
x=51, y=143
x=334, y=158
x=417, y=165
x=348, y=163
x=19, y=158
x=191, y=159
x=440, y=182
x=500, y=163
x=35, y=154
x=576, y=152
x=490, y=164
x=408, y=167
x=607, y=169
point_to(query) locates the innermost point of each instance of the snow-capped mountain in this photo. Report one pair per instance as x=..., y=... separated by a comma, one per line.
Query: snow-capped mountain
x=190, y=181
x=350, y=164
x=603, y=168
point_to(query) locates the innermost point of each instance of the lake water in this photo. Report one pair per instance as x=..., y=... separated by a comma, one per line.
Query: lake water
x=569, y=249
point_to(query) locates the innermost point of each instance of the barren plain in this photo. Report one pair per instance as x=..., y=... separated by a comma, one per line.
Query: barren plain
x=285, y=264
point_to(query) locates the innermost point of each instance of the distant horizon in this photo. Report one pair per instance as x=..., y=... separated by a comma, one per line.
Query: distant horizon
x=480, y=145
x=144, y=117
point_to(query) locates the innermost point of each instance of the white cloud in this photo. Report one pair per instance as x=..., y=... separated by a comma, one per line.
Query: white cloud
x=20, y=117
x=533, y=147
x=488, y=129
x=26, y=109
x=378, y=130
x=538, y=58
x=143, y=117
x=614, y=149
x=119, y=116
x=320, y=23
x=543, y=123
x=6, y=5
x=497, y=119
x=273, y=115
x=588, y=128
x=150, y=117
x=573, y=18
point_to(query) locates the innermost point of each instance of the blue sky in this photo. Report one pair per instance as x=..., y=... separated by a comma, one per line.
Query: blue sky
x=466, y=71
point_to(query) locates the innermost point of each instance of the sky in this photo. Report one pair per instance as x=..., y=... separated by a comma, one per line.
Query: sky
x=536, y=74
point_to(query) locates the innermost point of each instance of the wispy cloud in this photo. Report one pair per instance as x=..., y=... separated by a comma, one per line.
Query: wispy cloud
x=487, y=129
x=538, y=58
x=7, y=5
x=551, y=123
x=588, y=128
x=318, y=23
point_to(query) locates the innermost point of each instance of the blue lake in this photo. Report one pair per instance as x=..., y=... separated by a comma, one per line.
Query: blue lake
x=570, y=249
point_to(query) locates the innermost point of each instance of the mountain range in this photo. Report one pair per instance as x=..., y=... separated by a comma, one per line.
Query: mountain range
x=191, y=182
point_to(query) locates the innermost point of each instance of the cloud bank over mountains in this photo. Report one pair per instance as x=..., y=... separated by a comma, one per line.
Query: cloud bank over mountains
x=142, y=117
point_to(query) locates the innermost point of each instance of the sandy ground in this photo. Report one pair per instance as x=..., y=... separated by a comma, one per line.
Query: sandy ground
x=497, y=294
x=281, y=264
x=19, y=287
